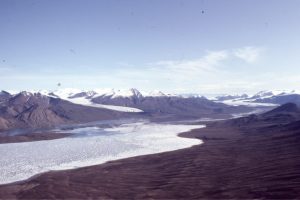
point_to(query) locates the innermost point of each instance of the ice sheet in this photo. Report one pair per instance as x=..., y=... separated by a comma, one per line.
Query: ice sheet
x=20, y=161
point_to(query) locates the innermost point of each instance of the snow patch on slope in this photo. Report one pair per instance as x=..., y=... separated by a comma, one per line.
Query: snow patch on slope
x=66, y=92
x=87, y=102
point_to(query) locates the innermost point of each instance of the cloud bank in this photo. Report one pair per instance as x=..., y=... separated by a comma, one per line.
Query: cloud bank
x=221, y=71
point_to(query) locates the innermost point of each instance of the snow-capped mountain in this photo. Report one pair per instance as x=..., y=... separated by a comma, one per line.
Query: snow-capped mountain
x=87, y=97
x=43, y=108
x=133, y=100
x=34, y=110
x=155, y=93
x=270, y=93
x=47, y=108
x=280, y=98
x=263, y=98
x=120, y=100
x=155, y=102
x=230, y=97
x=107, y=92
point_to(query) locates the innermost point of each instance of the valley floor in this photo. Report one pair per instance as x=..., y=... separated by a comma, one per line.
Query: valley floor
x=230, y=164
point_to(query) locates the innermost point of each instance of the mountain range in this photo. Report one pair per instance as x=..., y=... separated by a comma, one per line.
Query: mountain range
x=269, y=97
x=50, y=108
x=34, y=110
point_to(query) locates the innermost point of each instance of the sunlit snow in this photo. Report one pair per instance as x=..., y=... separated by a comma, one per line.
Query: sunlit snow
x=87, y=102
x=233, y=102
x=20, y=161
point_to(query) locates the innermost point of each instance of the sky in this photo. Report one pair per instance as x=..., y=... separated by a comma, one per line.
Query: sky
x=176, y=46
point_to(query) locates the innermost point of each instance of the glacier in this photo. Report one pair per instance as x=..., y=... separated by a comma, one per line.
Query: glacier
x=87, y=102
x=90, y=146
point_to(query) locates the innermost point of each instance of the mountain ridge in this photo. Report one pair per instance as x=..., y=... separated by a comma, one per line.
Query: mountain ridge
x=27, y=110
x=44, y=109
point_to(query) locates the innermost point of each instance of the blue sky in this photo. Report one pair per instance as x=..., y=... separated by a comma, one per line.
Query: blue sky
x=179, y=46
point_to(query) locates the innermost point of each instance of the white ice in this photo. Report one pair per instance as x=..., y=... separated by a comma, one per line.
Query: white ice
x=235, y=102
x=20, y=161
x=87, y=102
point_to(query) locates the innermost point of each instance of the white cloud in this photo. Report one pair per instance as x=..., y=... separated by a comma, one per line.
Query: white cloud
x=249, y=54
x=4, y=69
x=213, y=72
x=207, y=63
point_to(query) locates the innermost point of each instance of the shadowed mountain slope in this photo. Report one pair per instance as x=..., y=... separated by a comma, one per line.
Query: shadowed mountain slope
x=36, y=110
x=176, y=105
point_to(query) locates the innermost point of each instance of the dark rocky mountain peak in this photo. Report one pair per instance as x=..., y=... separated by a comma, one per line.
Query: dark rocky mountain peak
x=28, y=99
x=136, y=93
x=4, y=96
x=35, y=110
x=88, y=94
x=2, y=92
x=285, y=108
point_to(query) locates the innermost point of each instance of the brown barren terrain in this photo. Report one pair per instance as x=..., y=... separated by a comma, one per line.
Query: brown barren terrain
x=233, y=162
